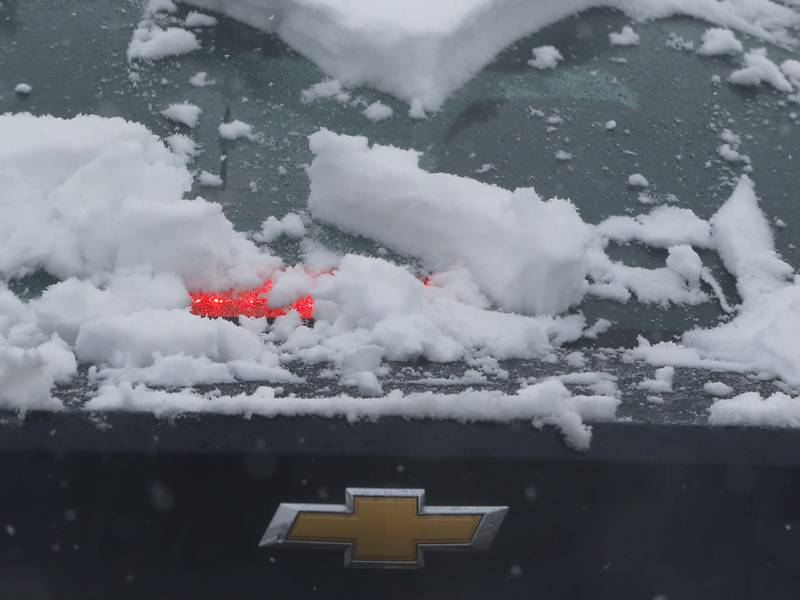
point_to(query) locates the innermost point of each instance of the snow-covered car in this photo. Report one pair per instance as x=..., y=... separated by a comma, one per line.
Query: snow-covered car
x=292, y=287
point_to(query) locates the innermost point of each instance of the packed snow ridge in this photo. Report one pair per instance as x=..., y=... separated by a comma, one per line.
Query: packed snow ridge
x=422, y=51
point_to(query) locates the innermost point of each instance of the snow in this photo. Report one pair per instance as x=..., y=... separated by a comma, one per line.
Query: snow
x=546, y=403
x=209, y=179
x=545, y=57
x=135, y=339
x=662, y=227
x=422, y=51
x=378, y=111
x=182, y=145
x=200, y=79
x=291, y=225
x=791, y=68
x=184, y=113
x=750, y=408
x=611, y=125
x=90, y=195
x=23, y=89
x=151, y=42
x=563, y=156
x=235, y=130
x=197, y=19
x=638, y=180
x=718, y=41
x=626, y=37
x=762, y=336
x=330, y=88
x=661, y=382
x=758, y=69
x=717, y=388
x=445, y=220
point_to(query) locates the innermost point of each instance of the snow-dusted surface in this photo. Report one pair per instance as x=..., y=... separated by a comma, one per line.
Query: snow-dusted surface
x=103, y=205
x=421, y=51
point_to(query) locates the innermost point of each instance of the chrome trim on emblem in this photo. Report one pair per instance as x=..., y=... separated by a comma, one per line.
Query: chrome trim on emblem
x=279, y=528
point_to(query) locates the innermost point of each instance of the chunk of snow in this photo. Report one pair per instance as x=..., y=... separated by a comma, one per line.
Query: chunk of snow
x=200, y=79
x=288, y=285
x=661, y=383
x=135, y=339
x=638, y=180
x=27, y=376
x=182, y=145
x=330, y=88
x=89, y=195
x=198, y=19
x=791, y=68
x=184, y=113
x=235, y=130
x=684, y=261
x=751, y=409
x=209, y=179
x=378, y=111
x=151, y=42
x=611, y=125
x=763, y=336
x=527, y=255
x=546, y=403
x=662, y=227
x=717, y=388
x=407, y=48
x=564, y=156
x=718, y=41
x=626, y=37
x=545, y=57
x=23, y=89
x=759, y=69
x=291, y=225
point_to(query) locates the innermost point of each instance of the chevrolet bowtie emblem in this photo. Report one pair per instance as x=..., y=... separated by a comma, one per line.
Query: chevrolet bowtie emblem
x=384, y=528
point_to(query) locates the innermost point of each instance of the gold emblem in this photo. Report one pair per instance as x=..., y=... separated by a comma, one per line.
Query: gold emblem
x=386, y=528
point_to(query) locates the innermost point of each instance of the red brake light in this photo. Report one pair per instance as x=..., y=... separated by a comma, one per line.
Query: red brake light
x=246, y=303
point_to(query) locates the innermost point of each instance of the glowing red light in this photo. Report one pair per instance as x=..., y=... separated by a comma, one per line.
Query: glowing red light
x=246, y=303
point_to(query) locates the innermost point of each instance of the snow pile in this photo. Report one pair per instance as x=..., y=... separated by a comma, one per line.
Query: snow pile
x=546, y=403
x=545, y=57
x=718, y=42
x=91, y=195
x=23, y=89
x=370, y=301
x=527, y=255
x=421, y=51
